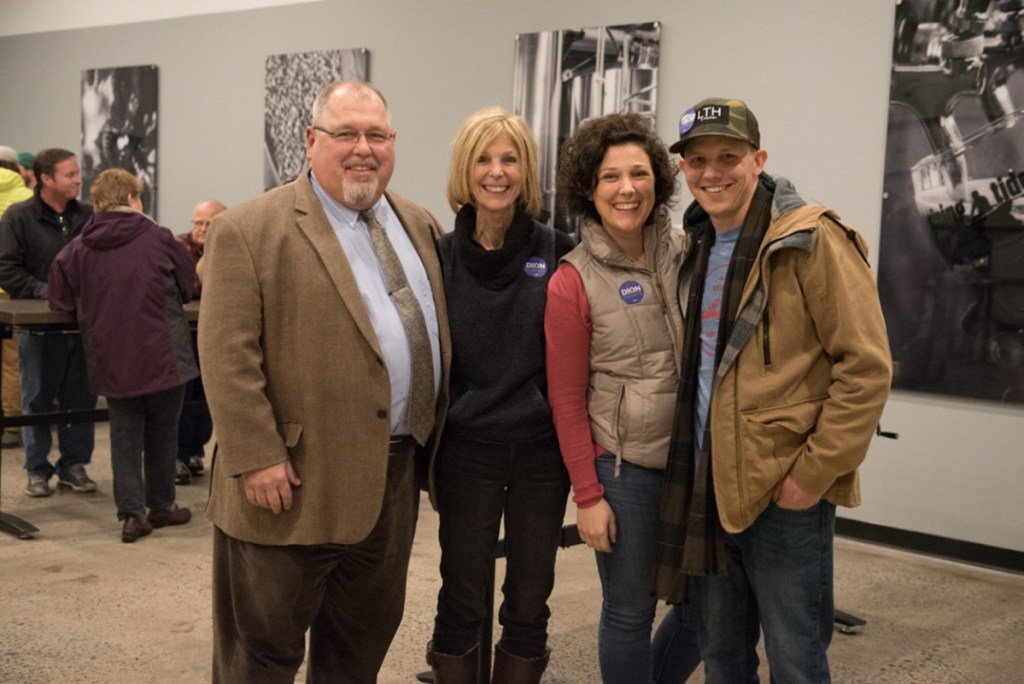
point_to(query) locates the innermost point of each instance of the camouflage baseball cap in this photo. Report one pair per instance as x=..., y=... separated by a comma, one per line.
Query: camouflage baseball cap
x=717, y=116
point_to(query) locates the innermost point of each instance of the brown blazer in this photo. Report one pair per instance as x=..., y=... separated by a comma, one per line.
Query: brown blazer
x=293, y=370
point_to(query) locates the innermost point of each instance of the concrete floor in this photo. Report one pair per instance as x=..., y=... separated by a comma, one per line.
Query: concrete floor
x=77, y=605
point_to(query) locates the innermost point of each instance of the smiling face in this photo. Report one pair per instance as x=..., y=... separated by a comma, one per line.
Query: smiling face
x=497, y=179
x=65, y=183
x=355, y=173
x=722, y=176
x=624, y=192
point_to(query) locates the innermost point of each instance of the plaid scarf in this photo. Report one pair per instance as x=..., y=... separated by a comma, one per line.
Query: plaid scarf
x=689, y=532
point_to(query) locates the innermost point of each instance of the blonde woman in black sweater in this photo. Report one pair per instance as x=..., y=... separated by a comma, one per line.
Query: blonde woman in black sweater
x=499, y=457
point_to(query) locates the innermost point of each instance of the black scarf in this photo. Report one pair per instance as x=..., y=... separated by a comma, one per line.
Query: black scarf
x=689, y=531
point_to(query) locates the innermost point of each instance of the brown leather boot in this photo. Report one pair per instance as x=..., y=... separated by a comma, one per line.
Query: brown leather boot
x=512, y=669
x=455, y=669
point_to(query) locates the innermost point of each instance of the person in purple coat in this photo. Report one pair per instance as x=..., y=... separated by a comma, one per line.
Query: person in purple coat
x=127, y=278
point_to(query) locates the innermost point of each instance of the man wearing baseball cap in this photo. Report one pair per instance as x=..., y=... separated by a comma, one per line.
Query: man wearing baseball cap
x=785, y=372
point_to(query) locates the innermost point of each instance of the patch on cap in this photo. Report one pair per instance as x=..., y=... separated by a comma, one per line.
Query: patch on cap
x=713, y=114
x=687, y=120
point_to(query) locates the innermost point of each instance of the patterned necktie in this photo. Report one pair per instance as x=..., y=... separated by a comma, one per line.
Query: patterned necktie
x=421, y=394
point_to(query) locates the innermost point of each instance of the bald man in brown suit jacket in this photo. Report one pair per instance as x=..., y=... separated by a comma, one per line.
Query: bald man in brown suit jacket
x=313, y=493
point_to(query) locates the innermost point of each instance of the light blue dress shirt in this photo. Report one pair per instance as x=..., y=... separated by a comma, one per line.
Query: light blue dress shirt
x=354, y=237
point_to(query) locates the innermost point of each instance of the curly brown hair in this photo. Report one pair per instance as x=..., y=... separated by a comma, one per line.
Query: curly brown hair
x=582, y=154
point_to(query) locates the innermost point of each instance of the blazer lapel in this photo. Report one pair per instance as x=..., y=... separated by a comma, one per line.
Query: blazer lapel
x=312, y=221
x=422, y=239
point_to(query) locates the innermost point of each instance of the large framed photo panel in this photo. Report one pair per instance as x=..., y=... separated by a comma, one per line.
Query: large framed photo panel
x=562, y=78
x=119, y=126
x=951, y=259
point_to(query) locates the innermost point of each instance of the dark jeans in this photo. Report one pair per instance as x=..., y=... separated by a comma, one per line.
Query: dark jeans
x=627, y=573
x=779, y=579
x=53, y=372
x=350, y=598
x=675, y=649
x=477, y=484
x=195, y=425
x=142, y=446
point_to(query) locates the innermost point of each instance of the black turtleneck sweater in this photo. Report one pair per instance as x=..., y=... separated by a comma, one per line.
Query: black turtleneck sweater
x=496, y=302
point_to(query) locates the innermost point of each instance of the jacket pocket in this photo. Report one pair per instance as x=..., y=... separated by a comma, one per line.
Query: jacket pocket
x=606, y=408
x=771, y=441
x=620, y=417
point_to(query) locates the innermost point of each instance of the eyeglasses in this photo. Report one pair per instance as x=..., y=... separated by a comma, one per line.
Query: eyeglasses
x=350, y=137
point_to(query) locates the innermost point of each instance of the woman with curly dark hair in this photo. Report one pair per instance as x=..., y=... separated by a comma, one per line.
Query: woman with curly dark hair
x=613, y=329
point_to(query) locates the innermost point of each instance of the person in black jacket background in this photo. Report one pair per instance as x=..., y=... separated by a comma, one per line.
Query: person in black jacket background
x=52, y=366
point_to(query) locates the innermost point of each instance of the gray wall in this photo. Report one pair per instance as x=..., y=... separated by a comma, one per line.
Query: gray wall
x=816, y=72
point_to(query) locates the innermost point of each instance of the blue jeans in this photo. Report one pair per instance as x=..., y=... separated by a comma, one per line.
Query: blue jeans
x=53, y=371
x=142, y=448
x=477, y=484
x=627, y=573
x=675, y=650
x=779, y=579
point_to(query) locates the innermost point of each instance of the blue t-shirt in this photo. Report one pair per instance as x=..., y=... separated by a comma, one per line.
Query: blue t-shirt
x=710, y=317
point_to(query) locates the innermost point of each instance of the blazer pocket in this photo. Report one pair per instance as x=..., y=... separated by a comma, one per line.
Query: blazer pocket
x=290, y=433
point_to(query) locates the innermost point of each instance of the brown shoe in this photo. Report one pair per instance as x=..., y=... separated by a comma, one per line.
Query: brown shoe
x=455, y=669
x=174, y=515
x=134, y=528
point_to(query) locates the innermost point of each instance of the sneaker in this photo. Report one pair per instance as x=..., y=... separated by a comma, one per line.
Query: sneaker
x=195, y=465
x=134, y=528
x=38, y=485
x=182, y=475
x=76, y=479
x=11, y=440
x=175, y=515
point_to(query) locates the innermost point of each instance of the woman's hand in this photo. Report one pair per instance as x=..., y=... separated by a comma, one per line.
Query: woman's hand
x=596, y=525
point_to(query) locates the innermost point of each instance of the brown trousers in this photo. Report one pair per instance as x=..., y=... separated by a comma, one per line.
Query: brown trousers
x=349, y=597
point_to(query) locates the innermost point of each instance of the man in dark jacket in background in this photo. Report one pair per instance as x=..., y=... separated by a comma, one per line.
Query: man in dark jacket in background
x=32, y=232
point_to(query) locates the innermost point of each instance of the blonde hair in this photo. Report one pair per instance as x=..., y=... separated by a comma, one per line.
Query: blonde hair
x=112, y=188
x=477, y=132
